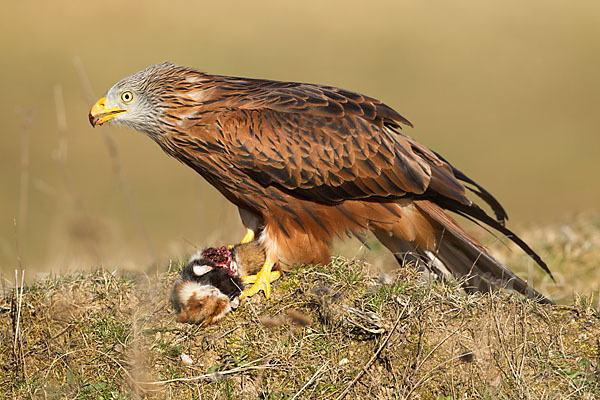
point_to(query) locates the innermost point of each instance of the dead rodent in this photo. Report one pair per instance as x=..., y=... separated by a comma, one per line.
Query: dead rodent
x=210, y=285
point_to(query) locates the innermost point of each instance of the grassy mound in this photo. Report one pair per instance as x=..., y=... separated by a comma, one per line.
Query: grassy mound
x=327, y=332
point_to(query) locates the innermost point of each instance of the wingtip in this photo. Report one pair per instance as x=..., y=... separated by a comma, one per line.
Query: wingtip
x=406, y=122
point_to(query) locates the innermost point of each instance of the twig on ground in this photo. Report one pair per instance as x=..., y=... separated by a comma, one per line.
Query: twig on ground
x=429, y=374
x=19, y=297
x=440, y=343
x=17, y=344
x=209, y=376
x=311, y=380
x=374, y=357
x=515, y=375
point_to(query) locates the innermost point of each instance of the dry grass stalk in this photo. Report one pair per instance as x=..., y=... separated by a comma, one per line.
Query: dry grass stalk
x=311, y=380
x=16, y=324
x=373, y=358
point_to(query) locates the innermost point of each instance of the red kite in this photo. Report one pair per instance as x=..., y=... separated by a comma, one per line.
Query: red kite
x=307, y=163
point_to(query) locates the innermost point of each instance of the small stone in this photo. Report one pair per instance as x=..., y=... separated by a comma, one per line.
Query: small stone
x=187, y=360
x=343, y=362
x=467, y=357
x=385, y=279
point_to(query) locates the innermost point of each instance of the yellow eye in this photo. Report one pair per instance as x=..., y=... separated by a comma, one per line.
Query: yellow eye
x=127, y=96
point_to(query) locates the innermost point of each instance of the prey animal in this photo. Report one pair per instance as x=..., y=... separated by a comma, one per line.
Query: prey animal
x=210, y=285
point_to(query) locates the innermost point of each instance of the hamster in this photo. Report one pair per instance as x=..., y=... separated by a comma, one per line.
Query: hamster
x=210, y=285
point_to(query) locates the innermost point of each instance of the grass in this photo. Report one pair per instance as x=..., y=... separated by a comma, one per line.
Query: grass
x=330, y=332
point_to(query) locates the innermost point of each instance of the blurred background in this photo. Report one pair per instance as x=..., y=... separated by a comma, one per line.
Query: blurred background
x=508, y=91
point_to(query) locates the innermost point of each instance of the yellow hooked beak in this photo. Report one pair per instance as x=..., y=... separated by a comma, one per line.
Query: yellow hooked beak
x=99, y=114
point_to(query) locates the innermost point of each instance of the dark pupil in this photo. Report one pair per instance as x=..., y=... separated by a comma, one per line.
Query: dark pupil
x=126, y=96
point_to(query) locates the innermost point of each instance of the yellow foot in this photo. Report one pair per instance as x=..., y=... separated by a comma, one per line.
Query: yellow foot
x=249, y=236
x=262, y=281
x=252, y=278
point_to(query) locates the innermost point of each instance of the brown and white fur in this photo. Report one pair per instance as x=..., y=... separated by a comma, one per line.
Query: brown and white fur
x=205, y=292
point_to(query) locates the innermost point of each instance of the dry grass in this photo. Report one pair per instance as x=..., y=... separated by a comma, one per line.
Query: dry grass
x=327, y=332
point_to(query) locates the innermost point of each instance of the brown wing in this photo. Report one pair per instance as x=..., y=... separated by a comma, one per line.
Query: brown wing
x=325, y=143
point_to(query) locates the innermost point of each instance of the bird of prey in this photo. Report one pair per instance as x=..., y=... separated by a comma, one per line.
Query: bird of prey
x=307, y=163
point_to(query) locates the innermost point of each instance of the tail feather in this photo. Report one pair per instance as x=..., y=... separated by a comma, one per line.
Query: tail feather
x=480, y=191
x=473, y=211
x=480, y=271
x=457, y=255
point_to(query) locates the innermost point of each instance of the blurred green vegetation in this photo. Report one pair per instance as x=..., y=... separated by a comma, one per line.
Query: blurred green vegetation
x=508, y=91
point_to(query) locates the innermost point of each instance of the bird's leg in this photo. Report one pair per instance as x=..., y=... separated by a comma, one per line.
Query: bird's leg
x=252, y=222
x=249, y=236
x=262, y=280
x=252, y=278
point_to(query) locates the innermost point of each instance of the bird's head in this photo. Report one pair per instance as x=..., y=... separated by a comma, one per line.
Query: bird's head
x=136, y=101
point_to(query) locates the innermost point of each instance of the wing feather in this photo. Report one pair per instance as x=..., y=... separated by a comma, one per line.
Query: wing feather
x=321, y=142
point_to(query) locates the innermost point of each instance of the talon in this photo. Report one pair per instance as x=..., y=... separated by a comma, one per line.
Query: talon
x=249, y=236
x=252, y=278
x=262, y=281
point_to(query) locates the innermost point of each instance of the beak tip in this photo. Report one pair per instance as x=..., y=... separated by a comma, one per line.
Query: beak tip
x=99, y=114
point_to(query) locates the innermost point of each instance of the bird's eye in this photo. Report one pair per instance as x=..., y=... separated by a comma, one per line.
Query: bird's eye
x=127, y=96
